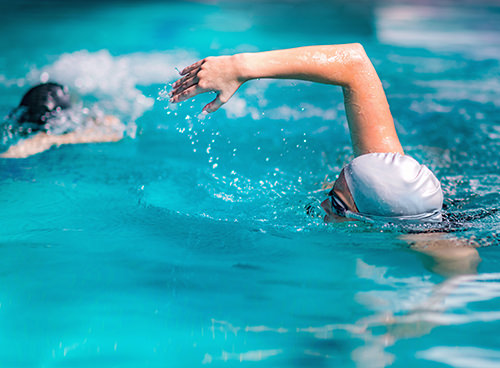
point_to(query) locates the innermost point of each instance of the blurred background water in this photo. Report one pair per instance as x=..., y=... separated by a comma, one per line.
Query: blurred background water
x=187, y=243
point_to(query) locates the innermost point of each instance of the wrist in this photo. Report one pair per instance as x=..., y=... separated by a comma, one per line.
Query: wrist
x=245, y=66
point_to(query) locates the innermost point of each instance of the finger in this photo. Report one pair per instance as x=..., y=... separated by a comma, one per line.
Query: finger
x=214, y=105
x=192, y=66
x=178, y=82
x=188, y=93
x=181, y=88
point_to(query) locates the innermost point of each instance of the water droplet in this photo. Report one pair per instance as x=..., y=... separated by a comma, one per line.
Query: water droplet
x=44, y=77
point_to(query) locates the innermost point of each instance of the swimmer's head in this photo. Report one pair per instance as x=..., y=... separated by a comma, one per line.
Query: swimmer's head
x=385, y=187
x=42, y=102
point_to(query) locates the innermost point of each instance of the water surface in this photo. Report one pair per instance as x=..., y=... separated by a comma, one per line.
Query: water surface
x=187, y=243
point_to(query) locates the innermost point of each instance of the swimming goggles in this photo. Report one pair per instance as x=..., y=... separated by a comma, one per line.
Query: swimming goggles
x=342, y=210
x=337, y=204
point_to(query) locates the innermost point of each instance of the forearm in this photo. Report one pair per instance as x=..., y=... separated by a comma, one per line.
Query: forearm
x=31, y=146
x=108, y=130
x=336, y=64
x=88, y=136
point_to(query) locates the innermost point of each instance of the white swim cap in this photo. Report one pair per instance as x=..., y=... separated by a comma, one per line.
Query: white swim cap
x=391, y=186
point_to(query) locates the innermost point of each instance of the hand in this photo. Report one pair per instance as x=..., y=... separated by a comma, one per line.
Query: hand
x=218, y=74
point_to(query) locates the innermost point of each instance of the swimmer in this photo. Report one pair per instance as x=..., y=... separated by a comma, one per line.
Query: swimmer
x=40, y=112
x=381, y=183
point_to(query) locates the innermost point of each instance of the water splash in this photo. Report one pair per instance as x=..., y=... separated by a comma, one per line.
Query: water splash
x=113, y=80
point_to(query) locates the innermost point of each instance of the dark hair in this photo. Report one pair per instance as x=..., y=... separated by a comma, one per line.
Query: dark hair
x=43, y=101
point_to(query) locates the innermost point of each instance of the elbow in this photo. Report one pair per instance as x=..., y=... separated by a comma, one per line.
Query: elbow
x=361, y=69
x=358, y=57
x=357, y=47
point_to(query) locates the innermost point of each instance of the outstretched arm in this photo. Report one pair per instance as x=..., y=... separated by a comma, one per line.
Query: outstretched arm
x=110, y=129
x=370, y=120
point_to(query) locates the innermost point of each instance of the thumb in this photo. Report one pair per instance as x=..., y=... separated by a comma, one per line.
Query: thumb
x=214, y=105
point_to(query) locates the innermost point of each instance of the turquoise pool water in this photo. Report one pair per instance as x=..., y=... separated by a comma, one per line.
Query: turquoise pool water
x=187, y=243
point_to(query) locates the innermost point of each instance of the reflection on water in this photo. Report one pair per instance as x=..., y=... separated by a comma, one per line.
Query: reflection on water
x=463, y=357
x=408, y=309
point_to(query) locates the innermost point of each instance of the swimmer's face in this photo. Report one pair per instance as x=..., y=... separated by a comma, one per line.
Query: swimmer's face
x=341, y=190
